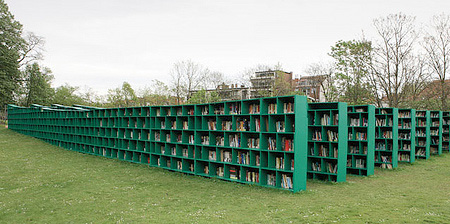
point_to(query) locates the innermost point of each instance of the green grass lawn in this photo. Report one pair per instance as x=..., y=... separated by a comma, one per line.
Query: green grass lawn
x=46, y=184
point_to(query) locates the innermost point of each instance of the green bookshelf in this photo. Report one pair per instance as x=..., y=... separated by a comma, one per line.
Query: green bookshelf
x=445, y=131
x=436, y=132
x=422, y=134
x=327, y=153
x=361, y=140
x=386, y=135
x=406, y=135
x=244, y=141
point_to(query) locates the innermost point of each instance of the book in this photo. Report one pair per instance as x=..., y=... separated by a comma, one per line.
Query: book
x=235, y=140
x=243, y=158
x=279, y=162
x=272, y=143
x=205, y=140
x=272, y=108
x=288, y=107
x=271, y=179
x=234, y=173
x=252, y=176
x=212, y=155
x=287, y=144
x=286, y=181
x=225, y=156
x=280, y=127
x=235, y=108
x=226, y=125
x=254, y=109
x=219, y=171
x=220, y=141
x=212, y=125
x=243, y=125
x=219, y=109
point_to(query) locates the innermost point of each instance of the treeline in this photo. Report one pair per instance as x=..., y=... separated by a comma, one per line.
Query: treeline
x=403, y=65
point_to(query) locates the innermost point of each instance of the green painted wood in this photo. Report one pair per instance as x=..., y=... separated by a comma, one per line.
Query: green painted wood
x=445, y=131
x=386, y=143
x=186, y=138
x=301, y=143
x=322, y=150
x=406, y=135
x=423, y=134
x=436, y=132
x=365, y=147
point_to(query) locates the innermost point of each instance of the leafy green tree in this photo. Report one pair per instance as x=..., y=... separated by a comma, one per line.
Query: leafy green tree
x=114, y=97
x=10, y=45
x=66, y=95
x=157, y=94
x=38, y=85
x=351, y=59
x=203, y=96
x=122, y=97
x=282, y=86
x=128, y=94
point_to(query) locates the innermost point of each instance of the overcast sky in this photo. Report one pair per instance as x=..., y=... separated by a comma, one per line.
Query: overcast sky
x=101, y=43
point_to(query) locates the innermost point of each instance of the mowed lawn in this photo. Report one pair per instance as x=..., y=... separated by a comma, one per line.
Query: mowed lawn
x=42, y=183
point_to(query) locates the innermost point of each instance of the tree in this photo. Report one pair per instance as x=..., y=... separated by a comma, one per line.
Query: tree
x=38, y=85
x=326, y=79
x=186, y=77
x=157, y=94
x=437, y=46
x=90, y=97
x=10, y=44
x=211, y=79
x=394, y=65
x=282, y=85
x=114, y=97
x=351, y=60
x=122, y=97
x=66, y=95
x=128, y=94
x=32, y=49
x=203, y=96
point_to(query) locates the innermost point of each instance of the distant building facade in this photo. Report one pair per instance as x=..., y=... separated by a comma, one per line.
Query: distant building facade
x=263, y=82
x=311, y=86
x=229, y=92
x=233, y=92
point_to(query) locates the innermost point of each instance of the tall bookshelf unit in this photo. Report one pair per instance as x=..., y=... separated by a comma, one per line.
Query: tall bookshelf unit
x=436, y=132
x=406, y=135
x=445, y=131
x=423, y=134
x=386, y=135
x=327, y=141
x=361, y=140
x=244, y=141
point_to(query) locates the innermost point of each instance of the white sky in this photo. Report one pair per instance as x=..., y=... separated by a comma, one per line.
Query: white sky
x=101, y=43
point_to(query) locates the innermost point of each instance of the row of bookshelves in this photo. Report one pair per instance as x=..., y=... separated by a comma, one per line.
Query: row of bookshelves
x=274, y=105
x=269, y=123
x=445, y=131
x=246, y=140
